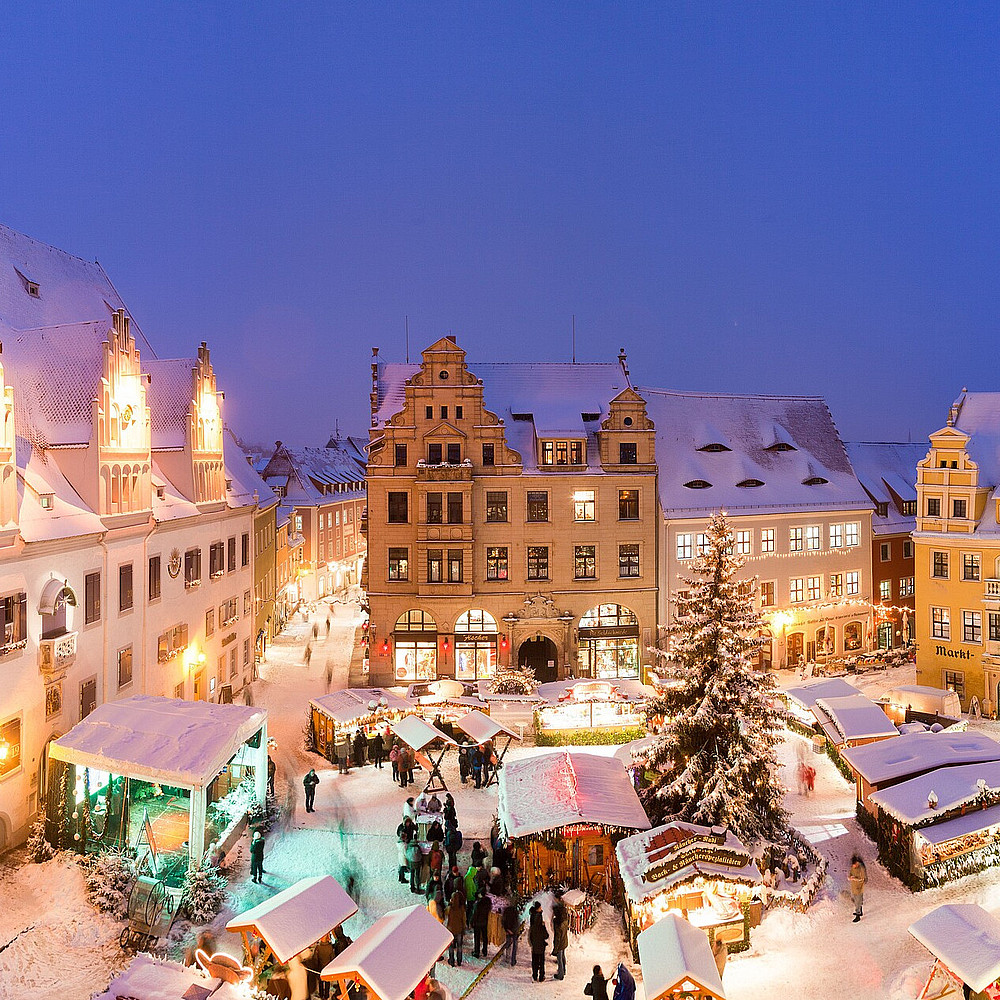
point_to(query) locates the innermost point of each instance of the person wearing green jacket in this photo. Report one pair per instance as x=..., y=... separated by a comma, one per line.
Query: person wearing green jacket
x=471, y=887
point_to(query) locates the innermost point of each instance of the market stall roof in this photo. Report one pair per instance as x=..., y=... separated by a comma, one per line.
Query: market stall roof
x=394, y=954
x=418, y=733
x=961, y=826
x=629, y=753
x=628, y=689
x=671, y=951
x=297, y=917
x=153, y=979
x=834, y=687
x=917, y=753
x=479, y=727
x=930, y=700
x=640, y=855
x=168, y=740
x=966, y=938
x=855, y=717
x=952, y=787
x=353, y=703
x=562, y=789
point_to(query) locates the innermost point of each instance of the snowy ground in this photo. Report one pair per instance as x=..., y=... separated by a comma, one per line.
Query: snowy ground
x=64, y=944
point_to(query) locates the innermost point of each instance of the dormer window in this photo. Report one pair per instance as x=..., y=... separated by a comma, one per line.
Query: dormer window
x=32, y=287
x=882, y=509
x=46, y=501
x=698, y=484
x=749, y=483
x=714, y=446
x=780, y=446
x=160, y=492
x=814, y=481
x=562, y=453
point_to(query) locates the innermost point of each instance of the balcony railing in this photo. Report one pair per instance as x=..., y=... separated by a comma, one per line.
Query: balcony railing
x=992, y=589
x=57, y=654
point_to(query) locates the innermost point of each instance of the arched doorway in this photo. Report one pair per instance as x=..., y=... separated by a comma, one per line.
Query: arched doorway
x=542, y=656
x=794, y=646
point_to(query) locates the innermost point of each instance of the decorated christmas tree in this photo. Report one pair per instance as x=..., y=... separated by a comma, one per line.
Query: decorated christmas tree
x=717, y=752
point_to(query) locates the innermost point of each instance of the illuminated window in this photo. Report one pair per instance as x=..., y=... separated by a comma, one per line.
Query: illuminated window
x=814, y=588
x=852, y=533
x=795, y=539
x=584, y=505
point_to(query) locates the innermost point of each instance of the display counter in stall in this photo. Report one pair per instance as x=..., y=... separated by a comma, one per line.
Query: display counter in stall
x=564, y=813
x=703, y=873
x=341, y=713
x=595, y=705
x=446, y=701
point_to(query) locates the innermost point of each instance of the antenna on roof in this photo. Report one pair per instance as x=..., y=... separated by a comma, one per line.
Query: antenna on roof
x=406, y=330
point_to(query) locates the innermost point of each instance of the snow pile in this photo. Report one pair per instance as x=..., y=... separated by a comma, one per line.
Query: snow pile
x=151, y=979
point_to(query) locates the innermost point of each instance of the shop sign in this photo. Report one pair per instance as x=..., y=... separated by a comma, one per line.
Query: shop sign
x=958, y=654
x=704, y=853
x=475, y=637
x=579, y=829
x=610, y=632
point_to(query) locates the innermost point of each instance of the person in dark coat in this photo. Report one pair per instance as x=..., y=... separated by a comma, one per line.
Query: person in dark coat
x=478, y=854
x=480, y=921
x=538, y=935
x=624, y=984
x=511, y=922
x=378, y=750
x=360, y=748
x=435, y=831
x=450, y=813
x=560, y=936
x=598, y=985
x=454, y=881
x=309, y=782
x=271, y=768
x=464, y=764
x=257, y=857
x=477, y=766
x=455, y=922
x=322, y=956
x=452, y=843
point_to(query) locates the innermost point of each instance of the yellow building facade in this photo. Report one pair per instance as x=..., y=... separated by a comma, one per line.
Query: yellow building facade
x=957, y=554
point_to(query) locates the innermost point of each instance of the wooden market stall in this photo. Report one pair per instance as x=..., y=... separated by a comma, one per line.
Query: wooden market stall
x=572, y=705
x=165, y=777
x=340, y=713
x=852, y=721
x=564, y=813
x=393, y=956
x=447, y=700
x=481, y=729
x=965, y=942
x=291, y=923
x=424, y=739
x=703, y=873
x=678, y=963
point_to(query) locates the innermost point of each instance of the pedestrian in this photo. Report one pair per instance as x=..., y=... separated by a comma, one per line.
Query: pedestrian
x=360, y=748
x=343, y=753
x=433, y=886
x=452, y=844
x=857, y=877
x=810, y=779
x=478, y=854
x=329, y=675
x=488, y=759
x=435, y=830
x=436, y=858
x=800, y=773
x=598, y=985
x=471, y=885
x=624, y=984
x=464, y=764
x=411, y=762
x=410, y=809
x=480, y=922
x=511, y=921
x=394, y=760
x=538, y=935
x=323, y=955
x=403, y=762
x=436, y=907
x=315, y=631
x=414, y=861
x=257, y=857
x=328, y=626
x=477, y=766
x=310, y=781
x=456, y=924
x=498, y=882
x=560, y=935
x=453, y=882
x=378, y=750
x=434, y=804
x=271, y=768
x=450, y=814
x=405, y=832
x=307, y=655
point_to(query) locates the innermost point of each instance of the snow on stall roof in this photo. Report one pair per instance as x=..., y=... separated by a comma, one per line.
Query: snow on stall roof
x=961, y=826
x=953, y=786
x=642, y=851
x=394, y=954
x=297, y=917
x=349, y=704
x=148, y=978
x=922, y=698
x=966, y=938
x=917, y=753
x=672, y=950
x=479, y=727
x=749, y=426
x=564, y=788
x=418, y=733
x=629, y=688
x=856, y=717
x=807, y=694
x=184, y=743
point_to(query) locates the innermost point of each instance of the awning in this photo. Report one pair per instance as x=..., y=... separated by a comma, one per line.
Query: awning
x=961, y=826
x=417, y=733
x=55, y=594
x=299, y=916
x=479, y=727
x=965, y=938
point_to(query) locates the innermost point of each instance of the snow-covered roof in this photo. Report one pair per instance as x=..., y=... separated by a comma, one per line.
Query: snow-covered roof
x=297, y=917
x=562, y=789
x=979, y=417
x=175, y=742
x=245, y=481
x=666, y=856
x=854, y=717
x=953, y=786
x=966, y=938
x=673, y=950
x=348, y=704
x=789, y=444
x=628, y=689
x=311, y=476
x=930, y=700
x=169, y=399
x=961, y=826
x=888, y=471
x=834, y=687
x=394, y=954
x=916, y=753
x=419, y=733
x=153, y=979
x=479, y=727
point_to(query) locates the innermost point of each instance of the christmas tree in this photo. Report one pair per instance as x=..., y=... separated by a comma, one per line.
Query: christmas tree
x=717, y=753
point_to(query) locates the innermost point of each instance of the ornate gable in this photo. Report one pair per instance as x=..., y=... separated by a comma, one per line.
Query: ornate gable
x=205, y=432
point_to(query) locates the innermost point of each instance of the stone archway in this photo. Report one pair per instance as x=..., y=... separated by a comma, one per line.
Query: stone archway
x=541, y=655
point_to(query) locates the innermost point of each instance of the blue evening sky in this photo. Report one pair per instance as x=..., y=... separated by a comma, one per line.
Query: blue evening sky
x=749, y=197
